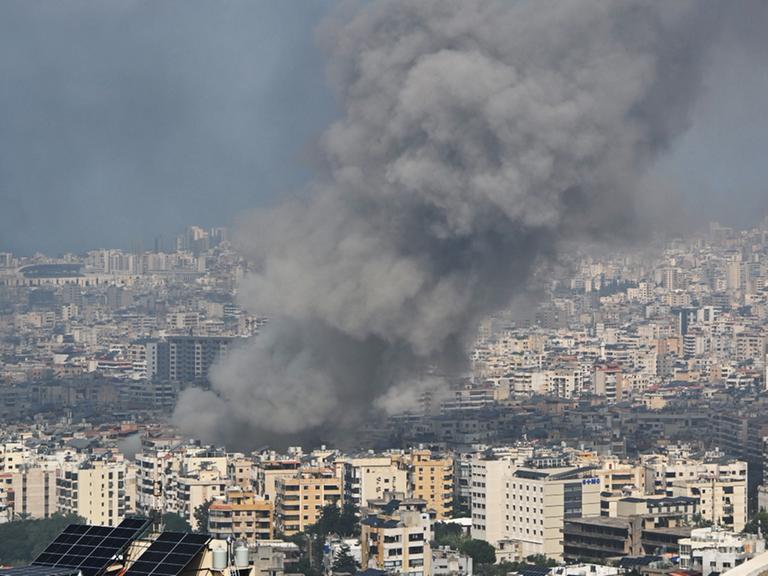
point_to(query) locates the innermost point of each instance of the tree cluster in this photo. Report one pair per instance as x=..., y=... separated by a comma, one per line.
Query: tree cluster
x=200, y=515
x=453, y=535
x=758, y=523
x=343, y=562
x=504, y=568
x=176, y=523
x=341, y=522
x=23, y=540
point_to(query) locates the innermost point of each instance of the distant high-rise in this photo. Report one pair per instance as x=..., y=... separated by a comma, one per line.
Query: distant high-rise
x=183, y=358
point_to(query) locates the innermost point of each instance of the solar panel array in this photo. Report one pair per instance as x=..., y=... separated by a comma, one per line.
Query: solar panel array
x=91, y=549
x=169, y=554
x=38, y=571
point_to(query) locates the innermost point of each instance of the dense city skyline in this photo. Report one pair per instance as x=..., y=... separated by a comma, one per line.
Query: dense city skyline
x=383, y=288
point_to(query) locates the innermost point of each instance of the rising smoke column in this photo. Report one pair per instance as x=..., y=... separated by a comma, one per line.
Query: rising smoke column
x=476, y=138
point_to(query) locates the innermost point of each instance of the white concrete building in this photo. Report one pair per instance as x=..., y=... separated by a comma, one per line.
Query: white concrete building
x=447, y=562
x=538, y=501
x=711, y=550
x=369, y=477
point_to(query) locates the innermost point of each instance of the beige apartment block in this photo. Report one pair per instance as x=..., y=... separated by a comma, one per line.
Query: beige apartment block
x=487, y=487
x=31, y=491
x=617, y=476
x=300, y=499
x=431, y=480
x=240, y=470
x=94, y=490
x=538, y=502
x=668, y=471
x=242, y=516
x=268, y=472
x=528, y=506
x=13, y=455
x=196, y=489
x=397, y=542
x=370, y=477
x=722, y=502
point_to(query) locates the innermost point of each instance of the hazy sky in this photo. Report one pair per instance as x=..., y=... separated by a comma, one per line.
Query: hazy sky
x=720, y=164
x=121, y=120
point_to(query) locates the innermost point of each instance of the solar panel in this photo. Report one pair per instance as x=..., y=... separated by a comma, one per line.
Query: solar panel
x=169, y=554
x=91, y=549
x=38, y=571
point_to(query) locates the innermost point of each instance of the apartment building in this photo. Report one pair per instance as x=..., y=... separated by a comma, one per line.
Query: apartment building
x=190, y=357
x=661, y=510
x=6, y=509
x=180, y=358
x=159, y=470
x=240, y=470
x=488, y=480
x=241, y=516
x=713, y=550
x=195, y=489
x=539, y=500
x=612, y=538
x=301, y=498
x=618, y=476
x=31, y=491
x=94, y=490
x=395, y=538
x=13, y=455
x=268, y=472
x=669, y=470
x=448, y=562
x=153, y=471
x=430, y=479
x=722, y=502
x=369, y=477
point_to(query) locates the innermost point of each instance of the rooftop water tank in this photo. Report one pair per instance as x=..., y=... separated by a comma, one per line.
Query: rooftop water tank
x=241, y=556
x=219, y=559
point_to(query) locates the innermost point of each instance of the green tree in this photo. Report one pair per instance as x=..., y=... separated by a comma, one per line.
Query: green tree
x=343, y=562
x=303, y=566
x=447, y=534
x=176, y=523
x=459, y=510
x=21, y=541
x=335, y=520
x=310, y=553
x=348, y=521
x=758, y=523
x=479, y=550
x=541, y=560
x=700, y=522
x=500, y=569
x=201, y=516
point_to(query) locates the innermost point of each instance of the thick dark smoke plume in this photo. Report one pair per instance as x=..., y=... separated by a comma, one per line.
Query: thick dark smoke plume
x=476, y=138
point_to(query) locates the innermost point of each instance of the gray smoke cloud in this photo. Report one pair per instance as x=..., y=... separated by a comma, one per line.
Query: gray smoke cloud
x=130, y=446
x=477, y=137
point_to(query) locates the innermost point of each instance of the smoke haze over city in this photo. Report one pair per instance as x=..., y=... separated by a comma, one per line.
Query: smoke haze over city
x=474, y=140
x=383, y=288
